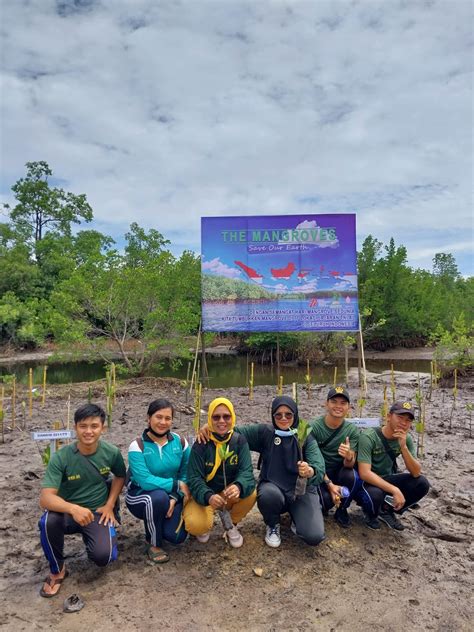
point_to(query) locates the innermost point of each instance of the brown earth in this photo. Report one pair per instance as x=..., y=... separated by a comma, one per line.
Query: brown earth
x=419, y=579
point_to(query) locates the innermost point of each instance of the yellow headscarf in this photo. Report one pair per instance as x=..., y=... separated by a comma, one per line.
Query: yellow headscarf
x=218, y=442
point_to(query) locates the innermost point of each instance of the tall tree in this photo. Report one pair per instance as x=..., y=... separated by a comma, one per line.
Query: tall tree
x=41, y=208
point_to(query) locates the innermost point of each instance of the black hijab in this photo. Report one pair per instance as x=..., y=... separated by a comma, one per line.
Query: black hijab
x=284, y=400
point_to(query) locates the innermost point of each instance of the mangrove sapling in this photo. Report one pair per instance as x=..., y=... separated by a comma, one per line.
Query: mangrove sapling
x=301, y=433
x=420, y=424
x=469, y=408
x=455, y=394
x=2, y=417
x=224, y=454
x=361, y=402
x=251, y=382
x=307, y=379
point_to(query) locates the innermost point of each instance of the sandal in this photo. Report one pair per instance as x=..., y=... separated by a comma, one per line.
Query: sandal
x=158, y=556
x=52, y=582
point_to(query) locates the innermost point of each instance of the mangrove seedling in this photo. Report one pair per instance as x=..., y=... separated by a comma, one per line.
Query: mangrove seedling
x=469, y=408
x=224, y=454
x=301, y=433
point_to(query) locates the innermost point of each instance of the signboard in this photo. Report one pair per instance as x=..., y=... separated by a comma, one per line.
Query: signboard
x=364, y=422
x=52, y=436
x=49, y=435
x=279, y=273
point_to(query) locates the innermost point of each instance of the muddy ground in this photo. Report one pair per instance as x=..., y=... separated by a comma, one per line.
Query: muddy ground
x=357, y=579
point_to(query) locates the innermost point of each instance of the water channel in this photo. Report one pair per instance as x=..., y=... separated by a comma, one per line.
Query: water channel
x=224, y=371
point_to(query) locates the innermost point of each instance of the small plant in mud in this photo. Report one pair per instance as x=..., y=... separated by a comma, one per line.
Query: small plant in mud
x=225, y=454
x=301, y=433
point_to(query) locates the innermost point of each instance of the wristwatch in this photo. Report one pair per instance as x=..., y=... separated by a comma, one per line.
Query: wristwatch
x=328, y=481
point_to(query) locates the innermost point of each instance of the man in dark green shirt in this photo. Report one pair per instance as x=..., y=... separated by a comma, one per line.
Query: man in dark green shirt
x=338, y=440
x=384, y=491
x=76, y=497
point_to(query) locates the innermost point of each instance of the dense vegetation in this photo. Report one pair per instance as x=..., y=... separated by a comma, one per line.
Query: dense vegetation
x=56, y=284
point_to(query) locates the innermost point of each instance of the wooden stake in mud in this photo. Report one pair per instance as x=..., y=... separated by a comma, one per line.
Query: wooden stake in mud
x=197, y=405
x=364, y=372
x=43, y=394
x=335, y=377
x=392, y=382
x=384, y=405
x=251, y=382
x=13, y=399
x=30, y=392
x=294, y=391
x=112, y=373
x=420, y=425
x=2, y=413
x=193, y=374
x=280, y=385
x=68, y=411
x=57, y=426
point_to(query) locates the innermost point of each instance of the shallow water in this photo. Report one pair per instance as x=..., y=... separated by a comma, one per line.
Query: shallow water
x=224, y=371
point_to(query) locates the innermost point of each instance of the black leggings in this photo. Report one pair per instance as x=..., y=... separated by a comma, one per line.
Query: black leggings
x=371, y=497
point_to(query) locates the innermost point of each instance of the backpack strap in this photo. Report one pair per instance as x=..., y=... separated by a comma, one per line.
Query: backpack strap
x=324, y=443
x=388, y=449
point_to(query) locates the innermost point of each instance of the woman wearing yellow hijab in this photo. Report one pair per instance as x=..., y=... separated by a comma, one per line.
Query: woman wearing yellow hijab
x=220, y=476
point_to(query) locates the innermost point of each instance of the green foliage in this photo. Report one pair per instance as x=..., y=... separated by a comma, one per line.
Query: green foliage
x=41, y=208
x=454, y=348
x=302, y=432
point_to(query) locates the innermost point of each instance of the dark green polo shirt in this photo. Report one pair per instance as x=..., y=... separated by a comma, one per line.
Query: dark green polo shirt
x=372, y=451
x=76, y=481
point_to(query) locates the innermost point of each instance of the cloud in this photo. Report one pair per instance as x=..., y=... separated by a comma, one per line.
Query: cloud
x=215, y=266
x=164, y=112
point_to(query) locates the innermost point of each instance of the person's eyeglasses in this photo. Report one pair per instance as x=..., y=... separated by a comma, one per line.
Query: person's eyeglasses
x=225, y=417
x=280, y=416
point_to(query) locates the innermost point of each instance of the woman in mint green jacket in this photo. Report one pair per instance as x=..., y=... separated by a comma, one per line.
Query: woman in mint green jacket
x=158, y=462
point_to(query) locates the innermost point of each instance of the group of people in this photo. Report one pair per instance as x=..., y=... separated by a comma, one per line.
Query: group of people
x=176, y=489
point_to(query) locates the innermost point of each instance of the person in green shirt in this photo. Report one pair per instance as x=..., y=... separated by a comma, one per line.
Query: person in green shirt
x=338, y=440
x=289, y=475
x=77, y=499
x=220, y=477
x=385, y=492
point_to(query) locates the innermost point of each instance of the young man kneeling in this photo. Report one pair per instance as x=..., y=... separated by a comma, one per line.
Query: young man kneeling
x=76, y=497
x=384, y=491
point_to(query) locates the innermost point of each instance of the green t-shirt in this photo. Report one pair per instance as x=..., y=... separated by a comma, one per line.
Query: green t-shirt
x=76, y=481
x=321, y=432
x=372, y=451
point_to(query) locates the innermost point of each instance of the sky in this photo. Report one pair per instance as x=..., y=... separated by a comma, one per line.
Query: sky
x=162, y=112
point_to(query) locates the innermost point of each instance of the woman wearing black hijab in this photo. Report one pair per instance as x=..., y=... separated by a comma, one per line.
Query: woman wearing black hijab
x=281, y=465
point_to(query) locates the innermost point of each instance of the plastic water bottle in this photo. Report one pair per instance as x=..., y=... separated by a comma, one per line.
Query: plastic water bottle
x=344, y=493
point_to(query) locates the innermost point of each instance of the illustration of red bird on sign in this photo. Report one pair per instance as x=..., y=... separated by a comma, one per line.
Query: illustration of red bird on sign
x=252, y=274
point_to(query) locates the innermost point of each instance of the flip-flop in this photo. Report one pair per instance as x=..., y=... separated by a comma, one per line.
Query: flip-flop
x=51, y=581
x=157, y=557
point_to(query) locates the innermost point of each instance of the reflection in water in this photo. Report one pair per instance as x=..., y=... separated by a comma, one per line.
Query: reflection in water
x=224, y=371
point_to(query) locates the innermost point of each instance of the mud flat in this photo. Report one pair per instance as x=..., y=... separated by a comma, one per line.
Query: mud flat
x=419, y=579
